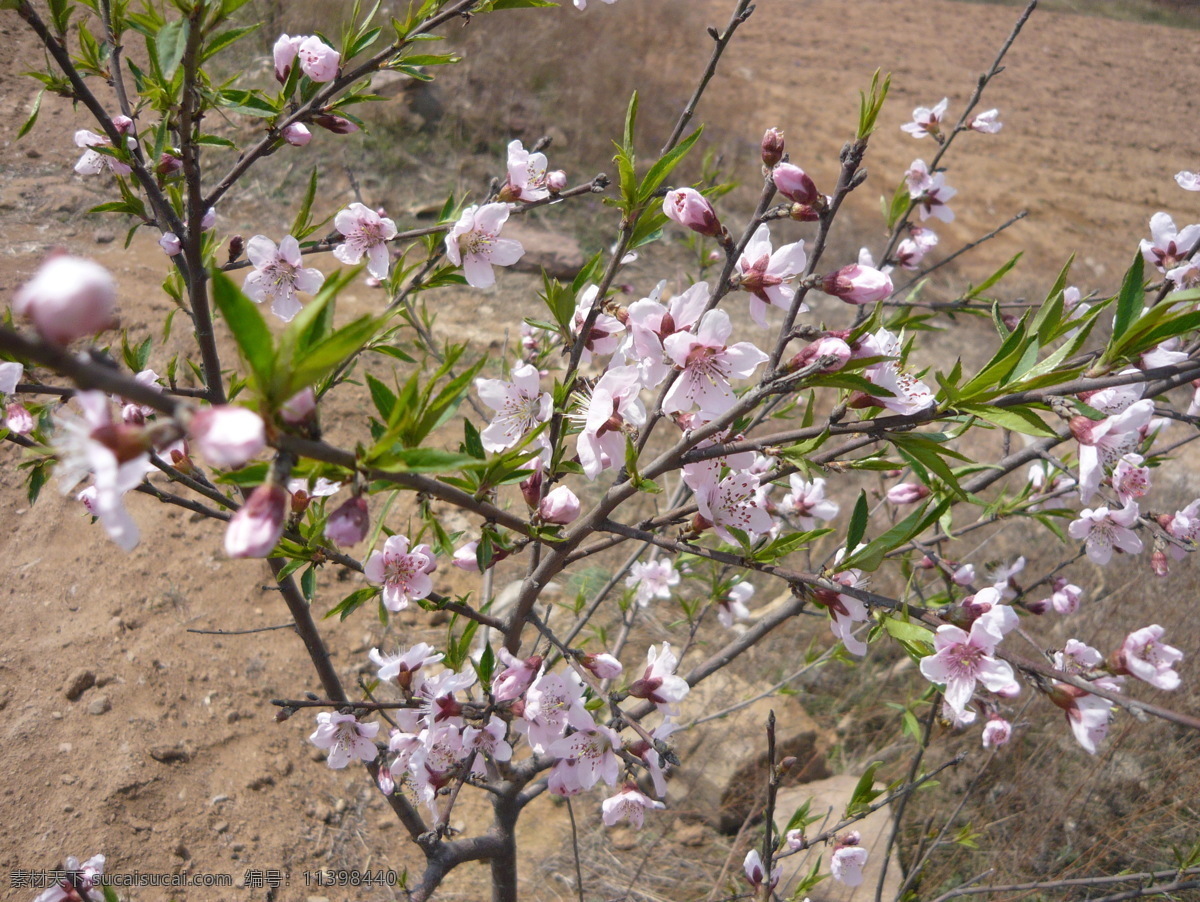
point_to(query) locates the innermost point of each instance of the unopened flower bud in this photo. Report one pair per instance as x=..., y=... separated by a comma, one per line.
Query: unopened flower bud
x=560, y=506
x=236, y=245
x=209, y=219
x=296, y=134
x=1159, y=564
x=925, y=563
x=531, y=488
x=256, y=527
x=996, y=732
x=170, y=244
x=17, y=418
x=795, y=184
x=907, y=493
x=348, y=524
x=67, y=298
x=227, y=435
x=858, y=284
x=772, y=147
x=1082, y=428
x=123, y=124
x=466, y=557
x=603, y=665
x=1039, y=607
x=168, y=164
x=335, y=124
x=556, y=180
x=691, y=209
x=804, y=213
x=299, y=407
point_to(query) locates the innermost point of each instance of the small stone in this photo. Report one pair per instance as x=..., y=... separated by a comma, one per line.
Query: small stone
x=69, y=779
x=217, y=800
x=231, y=716
x=64, y=748
x=181, y=851
x=99, y=705
x=78, y=683
x=104, y=236
x=170, y=754
x=221, y=826
x=261, y=782
x=238, y=847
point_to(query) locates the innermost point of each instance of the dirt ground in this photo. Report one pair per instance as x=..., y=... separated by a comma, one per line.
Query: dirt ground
x=171, y=762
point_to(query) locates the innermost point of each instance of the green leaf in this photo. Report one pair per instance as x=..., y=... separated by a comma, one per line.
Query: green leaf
x=858, y=523
x=1129, y=299
x=993, y=278
x=383, y=397
x=1020, y=419
x=308, y=583
x=29, y=123
x=249, y=103
x=864, y=791
x=170, y=43
x=660, y=170
x=248, y=326
x=352, y=602
x=425, y=460
x=224, y=39
x=907, y=631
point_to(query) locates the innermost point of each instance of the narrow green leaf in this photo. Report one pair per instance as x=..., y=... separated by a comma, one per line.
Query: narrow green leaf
x=1130, y=299
x=858, y=523
x=248, y=326
x=661, y=169
x=170, y=43
x=29, y=123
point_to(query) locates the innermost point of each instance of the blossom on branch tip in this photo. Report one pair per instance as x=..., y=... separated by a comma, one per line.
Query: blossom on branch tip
x=1144, y=656
x=520, y=406
x=912, y=250
x=848, y=859
x=996, y=732
x=67, y=298
x=345, y=737
x=1168, y=246
x=527, y=175
x=987, y=123
x=766, y=274
x=960, y=658
x=630, y=803
x=93, y=162
x=927, y=121
x=652, y=579
x=278, y=275
x=1188, y=181
x=658, y=683
x=708, y=363
x=365, y=232
x=404, y=574
x=255, y=528
x=929, y=192
x=475, y=244
x=1105, y=530
x=318, y=60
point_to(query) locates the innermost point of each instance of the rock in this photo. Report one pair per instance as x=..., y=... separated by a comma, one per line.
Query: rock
x=170, y=754
x=558, y=254
x=104, y=236
x=831, y=795
x=261, y=782
x=723, y=774
x=99, y=705
x=78, y=683
x=220, y=826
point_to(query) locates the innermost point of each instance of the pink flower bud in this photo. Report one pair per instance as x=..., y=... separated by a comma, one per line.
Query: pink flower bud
x=168, y=164
x=556, y=180
x=531, y=486
x=209, y=219
x=603, y=665
x=285, y=54
x=299, y=407
x=228, y=435
x=690, y=209
x=465, y=558
x=170, y=244
x=18, y=419
x=836, y=351
x=1159, y=564
x=256, y=527
x=858, y=284
x=560, y=506
x=296, y=134
x=67, y=298
x=804, y=213
x=1082, y=429
x=318, y=60
x=123, y=124
x=795, y=184
x=996, y=732
x=348, y=524
x=772, y=147
x=907, y=493
x=335, y=124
